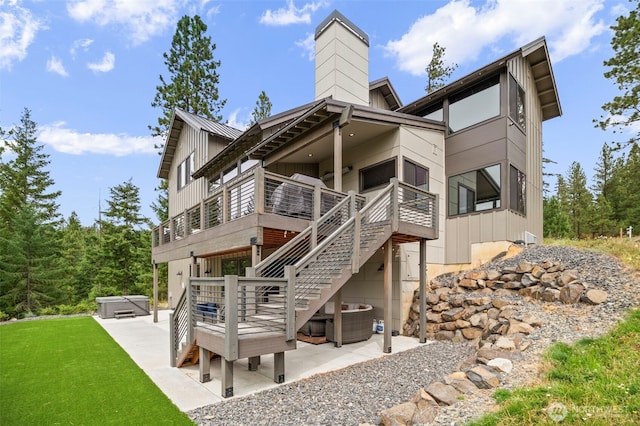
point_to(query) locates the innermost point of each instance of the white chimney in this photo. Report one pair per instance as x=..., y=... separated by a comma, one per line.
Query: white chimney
x=342, y=60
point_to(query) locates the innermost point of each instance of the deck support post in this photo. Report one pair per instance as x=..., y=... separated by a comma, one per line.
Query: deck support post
x=337, y=318
x=278, y=367
x=205, y=365
x=423, y=290
x=155, y=291
x=388, y=293
x=254, y=362
x=226, y=378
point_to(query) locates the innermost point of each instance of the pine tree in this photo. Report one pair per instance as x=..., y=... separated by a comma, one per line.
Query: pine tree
x=192, y=86
x=556, y=223
x=624, y=69
x=30, y=272
x=24, y=179
x=193, y=82
x=261, y=110
x=630, y=175
x=578, y=199
x=437, y=71
x=125, y=254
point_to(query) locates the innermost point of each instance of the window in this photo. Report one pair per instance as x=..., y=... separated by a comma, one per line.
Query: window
x=378, y=175
x=517, y=191
x=434, y=112
x=474, y=105
x=516, y=103
x=416, y=175
x=185, y=170
x=475, y=191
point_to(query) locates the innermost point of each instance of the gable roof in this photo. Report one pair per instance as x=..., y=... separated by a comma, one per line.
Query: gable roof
x=538, y=56
x=388, y=92
x=178, y=121
x=342, y=20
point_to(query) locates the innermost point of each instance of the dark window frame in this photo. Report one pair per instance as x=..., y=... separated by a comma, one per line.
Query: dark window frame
x=486, y=197
x=517, y=104
x=517, y=190
x=188, y=165
x=377, y=168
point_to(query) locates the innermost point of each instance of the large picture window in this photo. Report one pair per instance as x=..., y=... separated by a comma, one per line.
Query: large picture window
x=475, y=191
x=516, y=103
x=474, y=105
x=185, y=170
x=378, y=175
x=517, y=191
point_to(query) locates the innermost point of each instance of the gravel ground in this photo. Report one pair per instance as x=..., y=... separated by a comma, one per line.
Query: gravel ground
x=356, y=395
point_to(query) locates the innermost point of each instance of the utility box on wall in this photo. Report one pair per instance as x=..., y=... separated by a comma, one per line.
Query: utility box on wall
x=112, y=306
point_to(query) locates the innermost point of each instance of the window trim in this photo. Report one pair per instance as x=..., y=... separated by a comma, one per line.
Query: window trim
x=406, y=160
x=515, y=195
x=482, y=85
x=515, y=89
x=467, y=187
x=186, y=168
x=369, y=168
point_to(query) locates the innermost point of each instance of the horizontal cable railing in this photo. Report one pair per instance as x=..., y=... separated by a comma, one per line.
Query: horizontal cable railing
x=220, y=301
x=254, y=191
x=417, y=206
x=178, y=326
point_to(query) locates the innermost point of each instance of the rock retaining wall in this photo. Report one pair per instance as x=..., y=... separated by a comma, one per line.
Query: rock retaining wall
x=480, y=306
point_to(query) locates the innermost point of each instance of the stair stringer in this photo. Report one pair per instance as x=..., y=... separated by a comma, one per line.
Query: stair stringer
x=302, y=316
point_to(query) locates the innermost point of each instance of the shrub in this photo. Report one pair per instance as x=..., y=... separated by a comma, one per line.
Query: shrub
x=3, y=316
x=48, y=311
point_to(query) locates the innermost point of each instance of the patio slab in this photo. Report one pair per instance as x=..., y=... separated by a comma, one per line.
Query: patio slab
x=147, y=343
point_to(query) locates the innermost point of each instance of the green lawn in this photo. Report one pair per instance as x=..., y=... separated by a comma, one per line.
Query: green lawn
x=70, y=371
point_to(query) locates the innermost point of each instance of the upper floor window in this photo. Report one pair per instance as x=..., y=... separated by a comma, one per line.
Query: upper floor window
x=475, y=191
x=517, y=110
x=378, y=175
x=185, y=170
x=474, y=105
x=416, y=175
x=517, y=191
x=434, y=112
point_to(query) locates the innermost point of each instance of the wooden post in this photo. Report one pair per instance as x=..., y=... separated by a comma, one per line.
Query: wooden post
x=259, y=190
x=290, y=325
x=278, y=367
x=155, y=291
x=353, y=212
x=337, y=318
x=231, y=317
x=254, y=362
x=205, y=365
x=337, y=157
x=226, y=379
x=423, y=290
x=388, y=294
x=172, y=341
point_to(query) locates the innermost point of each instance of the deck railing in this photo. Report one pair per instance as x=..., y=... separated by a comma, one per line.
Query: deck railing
x=255, y=191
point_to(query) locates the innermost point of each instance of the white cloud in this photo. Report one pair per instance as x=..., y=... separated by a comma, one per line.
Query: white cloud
x=18, y=29
x=70, y=141
x=55, y=65
x=82, y=43
x=143, y=19
x=234, y=121
x=466, y=30
x=107, y=63
x=308, y=45
x=291, y=14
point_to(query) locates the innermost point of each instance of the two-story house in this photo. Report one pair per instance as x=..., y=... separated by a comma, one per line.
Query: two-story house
x=349, y=198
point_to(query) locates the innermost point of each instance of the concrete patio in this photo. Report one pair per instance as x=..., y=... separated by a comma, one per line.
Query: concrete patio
x=148, y=345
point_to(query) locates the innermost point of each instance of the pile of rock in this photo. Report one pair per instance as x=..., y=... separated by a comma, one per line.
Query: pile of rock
x=483, y=306
x=480, y=303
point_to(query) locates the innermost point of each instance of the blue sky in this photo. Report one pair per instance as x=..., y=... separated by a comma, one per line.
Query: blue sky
x=88, y=70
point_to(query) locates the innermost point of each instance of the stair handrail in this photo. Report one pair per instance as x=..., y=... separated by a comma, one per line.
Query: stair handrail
x=261, y=266
x=178, y=326
x=327, y=241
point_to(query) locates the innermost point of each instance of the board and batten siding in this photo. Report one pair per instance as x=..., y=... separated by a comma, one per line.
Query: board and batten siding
x=197, y=141
x=524, y=151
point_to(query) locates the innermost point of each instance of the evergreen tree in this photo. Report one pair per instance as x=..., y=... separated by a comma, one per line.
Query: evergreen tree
x=261, y=110
x=30, y=273
x=624, y=69
x=24, y=179
x=192, y=86
x=601, y=216
x=125, y=253
x=556, y=223
x=74, y=250
x=193, y=82
x=437, y=71
x=578, y=199
x=630, y=175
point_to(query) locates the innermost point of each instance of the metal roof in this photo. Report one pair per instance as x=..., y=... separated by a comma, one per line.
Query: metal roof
x=342, y=20
x=178, y=120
